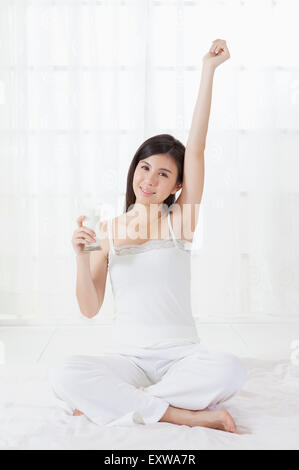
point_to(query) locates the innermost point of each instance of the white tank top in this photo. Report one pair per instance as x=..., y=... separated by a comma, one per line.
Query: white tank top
x=151, y=285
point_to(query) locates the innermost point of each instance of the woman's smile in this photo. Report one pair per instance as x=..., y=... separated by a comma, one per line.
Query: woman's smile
x=146, y=193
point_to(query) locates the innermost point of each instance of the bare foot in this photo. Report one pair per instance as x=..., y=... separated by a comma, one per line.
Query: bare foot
x=217, y=419
x=77, y=413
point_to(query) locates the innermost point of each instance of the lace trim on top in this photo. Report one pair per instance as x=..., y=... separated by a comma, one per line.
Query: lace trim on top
x=150, y=245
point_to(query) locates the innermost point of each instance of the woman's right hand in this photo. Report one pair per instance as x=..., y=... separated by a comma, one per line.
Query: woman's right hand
x=82, y=236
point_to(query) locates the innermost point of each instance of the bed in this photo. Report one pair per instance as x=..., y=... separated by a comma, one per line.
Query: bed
x=266, y=412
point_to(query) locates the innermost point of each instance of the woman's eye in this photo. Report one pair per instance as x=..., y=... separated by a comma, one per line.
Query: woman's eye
x=164, y=174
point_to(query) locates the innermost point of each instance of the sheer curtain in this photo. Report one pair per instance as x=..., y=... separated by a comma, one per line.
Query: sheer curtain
x=84, y=83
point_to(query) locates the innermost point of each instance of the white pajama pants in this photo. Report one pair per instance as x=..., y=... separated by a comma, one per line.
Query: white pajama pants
x=136, y=386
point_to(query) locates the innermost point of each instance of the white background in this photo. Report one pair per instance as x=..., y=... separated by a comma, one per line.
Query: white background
x=84, y=83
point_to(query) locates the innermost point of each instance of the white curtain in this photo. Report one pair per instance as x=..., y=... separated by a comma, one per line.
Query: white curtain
x=84, y=83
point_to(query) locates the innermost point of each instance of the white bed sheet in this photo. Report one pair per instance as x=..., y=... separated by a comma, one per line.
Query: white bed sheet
x=266, y=412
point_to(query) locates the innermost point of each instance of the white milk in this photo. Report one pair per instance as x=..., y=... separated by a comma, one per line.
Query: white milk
x=92, y=221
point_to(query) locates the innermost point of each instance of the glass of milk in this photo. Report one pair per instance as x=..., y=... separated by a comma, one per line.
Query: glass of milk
x=92, y=221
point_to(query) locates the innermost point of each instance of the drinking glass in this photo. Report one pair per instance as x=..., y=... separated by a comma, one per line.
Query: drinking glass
x=92, y=212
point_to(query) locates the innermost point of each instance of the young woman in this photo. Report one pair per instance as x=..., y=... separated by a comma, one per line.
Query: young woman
x=156, y=369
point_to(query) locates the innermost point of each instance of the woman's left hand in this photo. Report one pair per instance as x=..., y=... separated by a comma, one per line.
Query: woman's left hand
x=217, y=54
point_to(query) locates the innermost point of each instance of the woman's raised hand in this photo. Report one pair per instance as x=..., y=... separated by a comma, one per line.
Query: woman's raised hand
x=82, y=236
x=217, y=54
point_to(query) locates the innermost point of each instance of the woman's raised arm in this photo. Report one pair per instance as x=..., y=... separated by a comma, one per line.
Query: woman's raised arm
x=217, y=54
x=193, y=177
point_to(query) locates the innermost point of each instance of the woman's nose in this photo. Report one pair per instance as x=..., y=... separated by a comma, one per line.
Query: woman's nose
x=151, y=180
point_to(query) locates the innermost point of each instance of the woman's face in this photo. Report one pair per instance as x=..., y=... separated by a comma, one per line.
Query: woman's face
x=156, y=176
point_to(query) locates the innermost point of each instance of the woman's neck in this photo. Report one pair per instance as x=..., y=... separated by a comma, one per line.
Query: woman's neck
x=147, y=214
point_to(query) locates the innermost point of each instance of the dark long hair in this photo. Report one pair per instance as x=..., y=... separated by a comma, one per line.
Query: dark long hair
x=162, y=143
